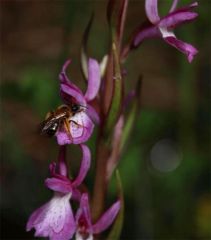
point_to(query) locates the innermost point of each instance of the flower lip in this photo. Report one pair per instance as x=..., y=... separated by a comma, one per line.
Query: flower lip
x=80, y=128
x=54, y=219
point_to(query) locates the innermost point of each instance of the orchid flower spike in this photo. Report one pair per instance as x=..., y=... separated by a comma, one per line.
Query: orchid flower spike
x=163, y=27
x=81, y=124
x=85, y=228
x=55, y=218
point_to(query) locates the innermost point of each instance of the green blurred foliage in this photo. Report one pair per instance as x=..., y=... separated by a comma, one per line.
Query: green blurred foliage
x=38, y=88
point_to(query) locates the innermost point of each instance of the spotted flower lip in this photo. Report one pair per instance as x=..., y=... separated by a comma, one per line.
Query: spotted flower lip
x=163, y=27
x=81, y=124
x=81, y=128
x=55, y=218
x=85, y=228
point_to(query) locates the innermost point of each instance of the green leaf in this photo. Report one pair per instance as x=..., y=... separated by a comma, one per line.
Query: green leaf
x=116, y=103
x=84, y=58
x=121, y=20
x=117, y=226
x=111, y=10
x=129, y=123
x=116, y=15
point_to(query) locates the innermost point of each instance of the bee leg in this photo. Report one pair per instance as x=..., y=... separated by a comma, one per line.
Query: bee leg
x=67, y=128
x=61, y=106
x=78, y=125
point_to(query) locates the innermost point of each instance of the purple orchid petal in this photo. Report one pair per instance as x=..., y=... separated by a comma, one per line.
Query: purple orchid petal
x=63, y=138
x=58, y=185
x=179, y=16
x=116, y=144
x=81, y=128
x=83, y=215
x=54, y=219
x=174, y=5
x=65, y=80
x=62, y=163
x=81, y=132
x=184, y=47
x=151, y=9
x=93, y=114
x=52, y=168
x=85, y=165
x=175, y=19
x=107, y=219
x=93, y=80
x=76, y=195
x=67, y=89
x=161, y=27
x=54, y=174
x=35, y=216
x=187, y=8
x=145, y=31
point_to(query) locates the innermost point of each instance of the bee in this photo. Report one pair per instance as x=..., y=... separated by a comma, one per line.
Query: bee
x=60, y=118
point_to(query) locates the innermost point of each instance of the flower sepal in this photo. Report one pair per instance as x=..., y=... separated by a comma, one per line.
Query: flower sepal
x=163, y=27
x=85, y=228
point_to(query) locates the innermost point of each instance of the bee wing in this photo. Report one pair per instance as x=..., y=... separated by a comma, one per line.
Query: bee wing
x=45, y=125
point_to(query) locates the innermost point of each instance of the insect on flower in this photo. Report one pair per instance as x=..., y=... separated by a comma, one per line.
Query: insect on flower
x=73, y=123
x=61, y=118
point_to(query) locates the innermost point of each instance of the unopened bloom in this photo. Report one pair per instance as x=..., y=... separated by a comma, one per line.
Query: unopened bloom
x=81, y=124
x=85, y=228
x=55, y=218
x=163, y=27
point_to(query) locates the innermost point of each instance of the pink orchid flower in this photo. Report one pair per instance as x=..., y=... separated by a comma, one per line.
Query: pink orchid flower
x=55, y=219
x=163, y=27
x=81, y=124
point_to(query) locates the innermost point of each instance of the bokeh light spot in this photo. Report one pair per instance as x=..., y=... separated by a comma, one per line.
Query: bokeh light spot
x=165, y=155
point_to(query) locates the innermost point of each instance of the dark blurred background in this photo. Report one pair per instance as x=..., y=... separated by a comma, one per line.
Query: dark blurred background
x=165, y=167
